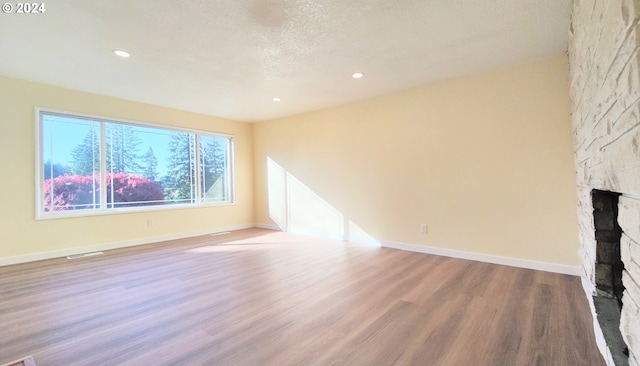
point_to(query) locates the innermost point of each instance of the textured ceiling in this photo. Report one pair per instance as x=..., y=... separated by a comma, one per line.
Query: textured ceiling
x=230, y=58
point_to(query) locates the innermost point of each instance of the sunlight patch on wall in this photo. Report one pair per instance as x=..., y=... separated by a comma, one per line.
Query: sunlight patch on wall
x=357, y=235
x=294, y=207
x=308, y=213
x=277, y=194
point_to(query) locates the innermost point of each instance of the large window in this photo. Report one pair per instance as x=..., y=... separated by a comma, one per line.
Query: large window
x=92, y=165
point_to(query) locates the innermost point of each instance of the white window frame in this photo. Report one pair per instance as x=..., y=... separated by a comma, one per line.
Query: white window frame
x=41, y=214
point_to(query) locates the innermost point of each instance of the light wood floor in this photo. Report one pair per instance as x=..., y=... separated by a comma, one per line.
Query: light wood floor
x=258, y=297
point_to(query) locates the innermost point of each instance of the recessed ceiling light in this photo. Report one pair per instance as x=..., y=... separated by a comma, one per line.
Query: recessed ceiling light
x=357, y=75
x=276, y=99
x=122, y=53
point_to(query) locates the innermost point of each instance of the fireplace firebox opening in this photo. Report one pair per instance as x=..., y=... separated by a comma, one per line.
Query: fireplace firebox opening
x=608, y=272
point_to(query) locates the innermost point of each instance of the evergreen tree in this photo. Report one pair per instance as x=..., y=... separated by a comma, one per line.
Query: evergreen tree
x=52, y=170
x=86, y=156
x=180, y=181
x=212, y=161
x=150, y=165
x=122, y=149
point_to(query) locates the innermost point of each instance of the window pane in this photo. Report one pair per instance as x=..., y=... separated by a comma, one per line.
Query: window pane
x=180, y=178
x=214, y=169
x=70, y=163
x=133, y=177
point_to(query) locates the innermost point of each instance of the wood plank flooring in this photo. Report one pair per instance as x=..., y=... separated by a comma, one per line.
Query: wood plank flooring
x=258, y=297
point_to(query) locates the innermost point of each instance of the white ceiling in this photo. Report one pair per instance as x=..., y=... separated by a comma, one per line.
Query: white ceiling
x=230, y=58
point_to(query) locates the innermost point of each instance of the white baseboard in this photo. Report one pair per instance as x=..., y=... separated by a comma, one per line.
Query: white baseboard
x=487, y=258
x=350, y=239
x=514, y=262
x=269, y=227
x=114, y=245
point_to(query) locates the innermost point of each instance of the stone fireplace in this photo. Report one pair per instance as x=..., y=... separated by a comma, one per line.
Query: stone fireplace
x=604, y=64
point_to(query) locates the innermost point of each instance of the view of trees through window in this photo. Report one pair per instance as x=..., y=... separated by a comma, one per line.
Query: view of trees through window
x=142, y=165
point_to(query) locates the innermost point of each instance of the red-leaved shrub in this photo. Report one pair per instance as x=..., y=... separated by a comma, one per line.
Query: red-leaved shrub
x=132, y=188
x=71, y=192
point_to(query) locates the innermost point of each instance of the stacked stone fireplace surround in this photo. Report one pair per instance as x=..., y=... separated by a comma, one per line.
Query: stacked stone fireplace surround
x=605, y=90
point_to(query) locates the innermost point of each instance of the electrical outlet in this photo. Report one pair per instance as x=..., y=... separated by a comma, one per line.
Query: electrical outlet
x=423, y=228
x=150, y=222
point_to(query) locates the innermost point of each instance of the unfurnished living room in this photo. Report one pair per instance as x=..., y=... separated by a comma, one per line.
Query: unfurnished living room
x=320, y=182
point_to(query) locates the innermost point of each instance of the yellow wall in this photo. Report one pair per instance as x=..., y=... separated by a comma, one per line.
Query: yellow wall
x=486, y=161
x=23, y=235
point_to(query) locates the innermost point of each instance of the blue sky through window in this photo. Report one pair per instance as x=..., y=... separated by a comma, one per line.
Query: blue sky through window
x=65, y=133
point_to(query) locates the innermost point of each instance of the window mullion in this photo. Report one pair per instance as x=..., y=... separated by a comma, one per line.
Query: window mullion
x=230, y=171
x=103, y=166
x=197, y=169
